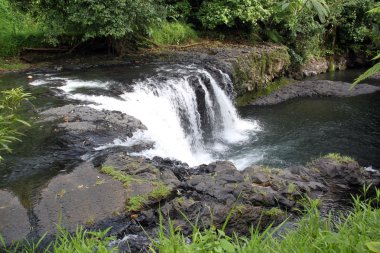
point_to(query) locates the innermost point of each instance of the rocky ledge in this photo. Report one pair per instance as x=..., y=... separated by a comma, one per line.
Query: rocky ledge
x=83, y=127
x=129, y=193
x=319, y=88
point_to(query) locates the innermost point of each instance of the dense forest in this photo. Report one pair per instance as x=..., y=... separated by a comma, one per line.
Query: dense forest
x=308, y=27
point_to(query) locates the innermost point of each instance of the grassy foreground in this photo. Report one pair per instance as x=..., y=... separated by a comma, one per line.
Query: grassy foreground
x=359, y=231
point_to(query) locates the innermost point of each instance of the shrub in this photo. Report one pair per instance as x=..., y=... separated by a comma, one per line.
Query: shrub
x=173, y=33
x=213, y=13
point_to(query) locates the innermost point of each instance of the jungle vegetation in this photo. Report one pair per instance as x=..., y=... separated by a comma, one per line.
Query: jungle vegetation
x=310, y=28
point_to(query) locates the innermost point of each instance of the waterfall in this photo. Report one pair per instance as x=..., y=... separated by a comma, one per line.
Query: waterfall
x=188, y=115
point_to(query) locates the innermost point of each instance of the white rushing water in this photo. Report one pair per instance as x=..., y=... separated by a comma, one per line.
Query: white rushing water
x=188, y=115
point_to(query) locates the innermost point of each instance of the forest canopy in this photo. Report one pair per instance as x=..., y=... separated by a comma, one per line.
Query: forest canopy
x=307, y=27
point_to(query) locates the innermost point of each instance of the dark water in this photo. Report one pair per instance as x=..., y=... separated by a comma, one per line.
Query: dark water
x=344, y=76
x=297, y=131
x=293, y=132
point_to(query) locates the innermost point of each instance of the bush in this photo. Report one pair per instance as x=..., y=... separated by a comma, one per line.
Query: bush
x=173, y=33
x=213, y=13
x=112, y=19
x=17, y=30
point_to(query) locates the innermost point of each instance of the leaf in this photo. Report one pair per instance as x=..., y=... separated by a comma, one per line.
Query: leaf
x=321, y=8
x=227, y=246
x=284, y=6
x=373, y=246
x=23, y=122
x=370, y=72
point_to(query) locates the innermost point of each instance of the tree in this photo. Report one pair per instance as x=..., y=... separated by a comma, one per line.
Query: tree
x=87, y=19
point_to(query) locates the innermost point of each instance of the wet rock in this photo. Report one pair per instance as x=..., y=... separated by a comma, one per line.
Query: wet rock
x=82, y=197
x=256, y=196
x=133, y=243
x=347, y=174
x=315, y=88
x=14, y=220
x=76, y=130
x=312, y=67
x=141, y=168
x=83, y=118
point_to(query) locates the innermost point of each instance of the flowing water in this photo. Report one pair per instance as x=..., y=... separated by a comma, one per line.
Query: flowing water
x=190, y=116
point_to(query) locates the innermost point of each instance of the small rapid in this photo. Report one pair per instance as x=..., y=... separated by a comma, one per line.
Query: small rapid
x=188, y=113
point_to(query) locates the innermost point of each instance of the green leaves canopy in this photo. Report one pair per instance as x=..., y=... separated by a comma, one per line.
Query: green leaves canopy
x=226, y=12
x=99, y=18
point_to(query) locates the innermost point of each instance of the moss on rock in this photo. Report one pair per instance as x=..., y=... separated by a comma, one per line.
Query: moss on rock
x=256, y=69
x=251, y=96
x=340, y=158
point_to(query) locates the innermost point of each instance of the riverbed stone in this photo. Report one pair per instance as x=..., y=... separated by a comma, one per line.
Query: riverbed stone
x=255, y=196
x=14, y=220
x=82, y=197
x=83, y=127
x=318, y=88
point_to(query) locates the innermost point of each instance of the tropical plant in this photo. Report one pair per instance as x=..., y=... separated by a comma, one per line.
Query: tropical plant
x=172, y=33
x=213, y=13
x=10, y=121
x=88, y=19
x=17, y=30
x=376, y=68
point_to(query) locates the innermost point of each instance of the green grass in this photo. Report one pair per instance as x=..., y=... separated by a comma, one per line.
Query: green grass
x=160, y=192
x=79, y=241
x=11, y=64
x=274, y=212
x=135, y=203
x=117, y=175
x=358, y=231
x=270, y=88
x=340, y=158
x=17, y=30
x=173, y=33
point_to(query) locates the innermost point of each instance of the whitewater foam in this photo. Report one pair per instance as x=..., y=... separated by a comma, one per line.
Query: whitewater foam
x=167, y=104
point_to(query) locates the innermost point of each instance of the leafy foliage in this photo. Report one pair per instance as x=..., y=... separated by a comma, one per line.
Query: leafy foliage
x=308, y=27
x=90, y=19
x=214, y=13
x=79, y=241
x=10, y=103
x=370, y=72
x=178, y=10
x=173, y=33
x=376, y=68
x=17, y=30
